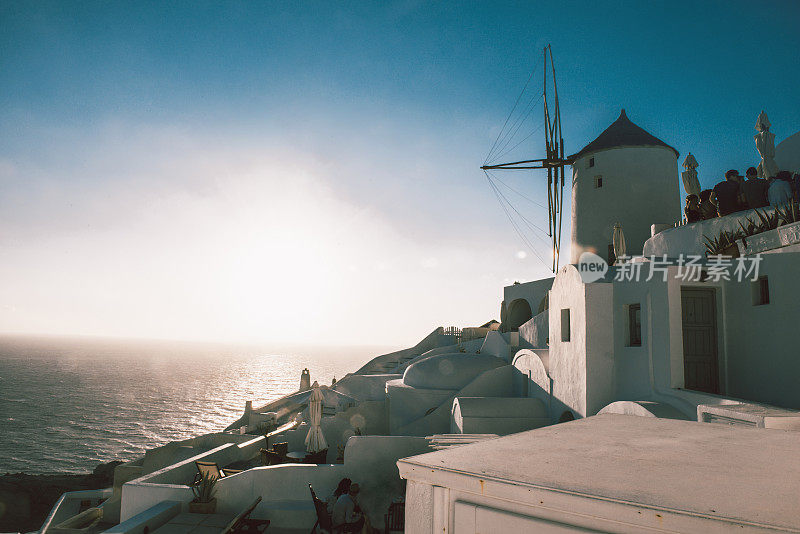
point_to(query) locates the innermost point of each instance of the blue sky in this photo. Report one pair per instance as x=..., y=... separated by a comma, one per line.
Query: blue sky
x=243, y=170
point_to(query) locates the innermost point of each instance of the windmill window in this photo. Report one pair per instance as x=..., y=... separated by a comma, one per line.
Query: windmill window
x=591, y=162
x=598, y=181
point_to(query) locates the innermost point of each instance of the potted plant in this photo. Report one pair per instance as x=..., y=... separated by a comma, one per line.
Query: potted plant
x=204, y=501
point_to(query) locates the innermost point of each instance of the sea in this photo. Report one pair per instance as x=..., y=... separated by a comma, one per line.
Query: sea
x=68, y=404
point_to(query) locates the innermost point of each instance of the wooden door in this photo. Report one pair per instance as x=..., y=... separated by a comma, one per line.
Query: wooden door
x=700, y=365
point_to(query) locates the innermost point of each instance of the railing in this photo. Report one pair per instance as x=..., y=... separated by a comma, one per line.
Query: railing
x=453, y=332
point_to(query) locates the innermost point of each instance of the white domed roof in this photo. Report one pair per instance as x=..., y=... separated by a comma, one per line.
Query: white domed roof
x=449, y=371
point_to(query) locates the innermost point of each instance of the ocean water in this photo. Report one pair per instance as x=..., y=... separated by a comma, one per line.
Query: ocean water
x=68, y=404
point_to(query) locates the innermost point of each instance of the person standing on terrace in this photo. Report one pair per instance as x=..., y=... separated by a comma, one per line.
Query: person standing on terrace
x=755, y=190
x=707, y=208
x=780, y=191
x=692, y=209
x=727, y=194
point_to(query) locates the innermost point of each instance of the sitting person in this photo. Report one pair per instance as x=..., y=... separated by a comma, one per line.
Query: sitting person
x=341, y=489
x=346, y=516
x=707, y=208
x=727, y=194
x=755, y=190
x=692, y=209
x=780, y=191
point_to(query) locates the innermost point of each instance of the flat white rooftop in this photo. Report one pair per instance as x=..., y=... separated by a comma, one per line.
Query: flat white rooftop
x=740, y=474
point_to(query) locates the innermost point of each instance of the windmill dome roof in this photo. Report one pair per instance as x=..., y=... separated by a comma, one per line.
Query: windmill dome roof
x=622, y=133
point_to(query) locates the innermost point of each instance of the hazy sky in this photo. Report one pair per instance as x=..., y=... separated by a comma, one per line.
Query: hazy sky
x=307, y=172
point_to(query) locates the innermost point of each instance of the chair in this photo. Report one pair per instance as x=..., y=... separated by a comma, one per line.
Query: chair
x=324, y=520
x=275, y=454
x=212, y=469
x=316, y=457
x=243, y=523
x=396, y=517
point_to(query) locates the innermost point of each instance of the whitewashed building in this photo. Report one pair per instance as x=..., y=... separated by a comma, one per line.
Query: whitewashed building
x=675, y=344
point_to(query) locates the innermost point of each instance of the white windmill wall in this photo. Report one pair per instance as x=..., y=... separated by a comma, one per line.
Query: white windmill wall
x=639, y=188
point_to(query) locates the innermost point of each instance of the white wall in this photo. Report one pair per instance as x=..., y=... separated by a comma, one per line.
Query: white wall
x=171, y=483
x=762, y=349
x=365, y=387
x=640, y=187
x=497, y=415
x=493, y=383
x=568, y=358
x=532, y=292
x=689, y=238
x=537, y=330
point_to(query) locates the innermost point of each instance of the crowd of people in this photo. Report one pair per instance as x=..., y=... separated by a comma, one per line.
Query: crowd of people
x=737, y=193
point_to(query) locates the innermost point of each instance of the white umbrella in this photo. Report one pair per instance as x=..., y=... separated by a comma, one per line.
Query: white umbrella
x=765, y=144
x=315, y=440
x=619, y=241
x=690, y=182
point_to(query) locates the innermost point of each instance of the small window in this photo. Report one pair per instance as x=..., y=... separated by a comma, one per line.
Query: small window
x=598, y=181
x=760, y=291
x=591, y=162
x=635, y=325
x=565, y=324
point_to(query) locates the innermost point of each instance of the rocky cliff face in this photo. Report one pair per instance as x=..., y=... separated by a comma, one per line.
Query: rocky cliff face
x=25, y=500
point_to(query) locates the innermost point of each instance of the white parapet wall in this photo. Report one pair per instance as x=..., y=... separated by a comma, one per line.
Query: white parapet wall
x=689, y=239
x=370, y=461
x=172, y=482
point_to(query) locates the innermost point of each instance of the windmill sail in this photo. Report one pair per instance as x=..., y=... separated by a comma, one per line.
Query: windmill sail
x=553, y=161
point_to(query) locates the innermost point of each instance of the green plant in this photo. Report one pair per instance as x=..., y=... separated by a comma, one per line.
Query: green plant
x=750, y=229
x=203, y=488
x=722, y=242
x=769, y=221
x=787, y=213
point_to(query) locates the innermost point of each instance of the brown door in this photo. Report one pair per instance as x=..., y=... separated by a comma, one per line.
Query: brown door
x=700, y=366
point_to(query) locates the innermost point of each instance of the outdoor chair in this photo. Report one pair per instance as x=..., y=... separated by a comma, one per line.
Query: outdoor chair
x=212, y=469
x=395, y=517
x=276, y=454
x=316, y=457
x=242, y=523
x=324, y=521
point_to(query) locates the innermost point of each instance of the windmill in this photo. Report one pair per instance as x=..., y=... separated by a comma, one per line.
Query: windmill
x=553, y=161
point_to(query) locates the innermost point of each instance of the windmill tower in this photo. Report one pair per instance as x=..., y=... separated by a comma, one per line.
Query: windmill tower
x=625, y=176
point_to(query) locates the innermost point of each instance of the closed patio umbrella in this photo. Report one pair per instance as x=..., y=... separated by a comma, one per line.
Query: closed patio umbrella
x=315, y=440
x=690, y=182
x=765, y=144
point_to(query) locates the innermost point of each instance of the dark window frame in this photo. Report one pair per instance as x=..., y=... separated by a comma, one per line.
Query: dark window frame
x=566, y=334
x=761, y=291
x=635, y=325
